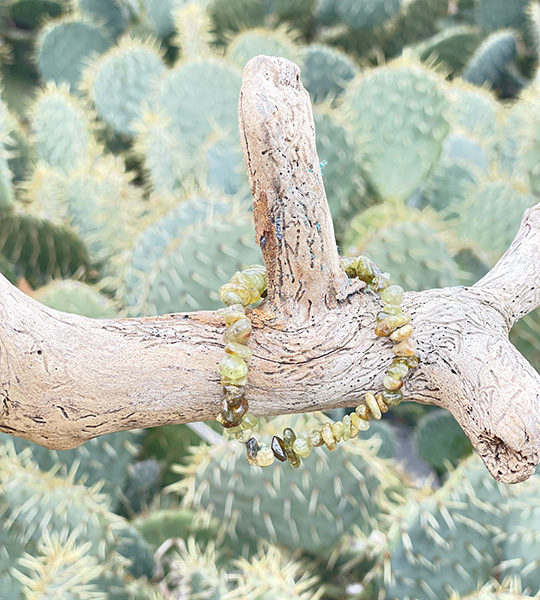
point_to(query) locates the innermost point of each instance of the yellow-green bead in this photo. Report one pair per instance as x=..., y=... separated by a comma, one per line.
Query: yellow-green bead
x=371, y=403
x=346, y=422
x=265, y=456
x=364, y=269
x=245, y=280
x=239, y=350
x=238, y=332
x=397, y=370
x=234, y=293
x=390, y=323
x=402, y=333
x=359, y=423
x=314, y=437
x=249, y=422
x=232, y=313
x=382, y=404
x=393, y=294
x=328, y=437
x=391, y=384
x=348, y=264
x=232, y=367
x=363, y=411
x=405, y=348
x=337, y=429
x=301, y=447
x=392, y=309
x=392, y=398
x=243, y=436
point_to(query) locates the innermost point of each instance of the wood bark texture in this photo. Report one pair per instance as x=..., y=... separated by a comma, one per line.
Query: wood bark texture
x=65, y=379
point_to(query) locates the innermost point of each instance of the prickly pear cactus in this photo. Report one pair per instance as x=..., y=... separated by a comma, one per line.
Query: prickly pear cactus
x=121, y=81
x=439, y=440
x=413, y=97
x=179, y=262
x=76, y=297
x=289, y=507
x=65, y=45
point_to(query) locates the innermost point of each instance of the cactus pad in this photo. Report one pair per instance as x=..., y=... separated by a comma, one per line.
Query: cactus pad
x=61, y=128
x=398, y=113
x=76, y=297
x=488, y=219
x=180, y=262
x=114, y=14
x=413, y=251
x=121, y=80
x=253, y=42
x=326, y=71
x=439, y=440
x=310, y=509
x=491, y=59
x=187, y=96
x=65, y=45
x=452, y=46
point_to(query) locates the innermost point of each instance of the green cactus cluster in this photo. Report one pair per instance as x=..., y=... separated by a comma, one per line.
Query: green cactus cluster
x=123, y=191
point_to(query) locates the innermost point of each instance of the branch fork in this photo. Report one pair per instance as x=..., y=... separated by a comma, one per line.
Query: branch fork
x=65, y=379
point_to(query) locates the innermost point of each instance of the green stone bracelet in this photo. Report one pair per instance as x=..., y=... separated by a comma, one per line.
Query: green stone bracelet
x=247, y=288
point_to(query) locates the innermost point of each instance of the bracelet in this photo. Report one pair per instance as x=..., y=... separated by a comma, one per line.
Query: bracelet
x=248, y=287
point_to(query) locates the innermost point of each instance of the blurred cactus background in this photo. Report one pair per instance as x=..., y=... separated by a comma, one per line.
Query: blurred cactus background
x=123, y=192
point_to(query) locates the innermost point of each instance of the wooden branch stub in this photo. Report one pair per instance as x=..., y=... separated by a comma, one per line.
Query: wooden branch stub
x=293, y=224
x=65, y=379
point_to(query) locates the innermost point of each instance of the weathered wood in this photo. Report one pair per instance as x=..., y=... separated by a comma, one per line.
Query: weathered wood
x=65, y=379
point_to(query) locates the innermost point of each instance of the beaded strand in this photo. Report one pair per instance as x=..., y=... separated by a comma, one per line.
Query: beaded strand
x=246, y=288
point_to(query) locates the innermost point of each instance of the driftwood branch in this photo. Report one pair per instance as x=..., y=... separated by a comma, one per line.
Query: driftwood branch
x=65, y=379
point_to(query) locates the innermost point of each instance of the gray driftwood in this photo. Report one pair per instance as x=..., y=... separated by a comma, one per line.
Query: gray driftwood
x=65, y=379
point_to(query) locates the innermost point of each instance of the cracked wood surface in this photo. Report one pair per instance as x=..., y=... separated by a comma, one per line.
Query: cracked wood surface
x=65, y=379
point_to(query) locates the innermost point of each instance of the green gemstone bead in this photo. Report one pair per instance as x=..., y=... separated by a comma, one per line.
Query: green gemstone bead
x=393, y=294
x=390, y=323
x=249, y=421
x=349, y=265
x=252, y=447
x=392, y=309
x=405, y=348
x=391, y=384
x=314, y=437
x=231, y=417
x=371, y=403
x=364, y=269
x=337, y=429
x=239, y=350
x=278, y=448
x=256, y=275
x=358, y=423
x=265, y=456
x=392, y=398
x=402, y=333
x=363, y=411
x=346, y=422
x=242, y=436
x=232, y=367
x=301, y=447
x=232, y=313
x=233, y=293
x=412, y=362
x=380, y=282
x=288, y=437
x=382, y=404
x=397, y=369
x=238, y=332
x=240, y=278
x=329, y=437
